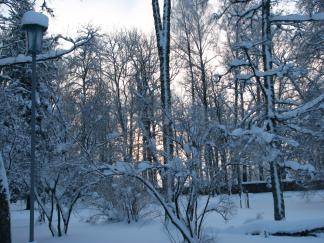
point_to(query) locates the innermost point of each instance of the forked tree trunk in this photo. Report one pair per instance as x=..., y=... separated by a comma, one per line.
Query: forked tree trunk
x=162, y=30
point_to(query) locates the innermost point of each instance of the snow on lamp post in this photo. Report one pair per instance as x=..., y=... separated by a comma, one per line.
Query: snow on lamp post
x=35, y=24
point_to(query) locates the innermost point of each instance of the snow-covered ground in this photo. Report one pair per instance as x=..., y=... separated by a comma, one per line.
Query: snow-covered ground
x=301, y=213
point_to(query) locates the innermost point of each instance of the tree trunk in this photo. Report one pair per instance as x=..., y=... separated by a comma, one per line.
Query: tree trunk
x=59, y=231
x=278, y=200
x=261, y=172
x=239, y=183
x=5, y=230
x=245, y=173
x=279, y=206
x=27, y=202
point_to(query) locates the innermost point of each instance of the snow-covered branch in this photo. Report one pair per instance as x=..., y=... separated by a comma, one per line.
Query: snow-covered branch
x=262, y=136
x=293, y=165
x=120, y=168
x=302, y=130
x=20, y=59
x=278, y=71
x=287, y=102
x=296, y=18
x=301, y=109
x=238, y=63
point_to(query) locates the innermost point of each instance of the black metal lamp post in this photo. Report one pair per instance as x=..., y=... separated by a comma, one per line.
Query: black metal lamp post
x=35, y=24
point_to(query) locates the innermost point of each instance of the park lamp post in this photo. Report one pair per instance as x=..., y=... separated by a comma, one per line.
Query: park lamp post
x=35, y=24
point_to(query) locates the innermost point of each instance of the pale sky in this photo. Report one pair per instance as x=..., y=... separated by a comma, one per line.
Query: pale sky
x=70, y=15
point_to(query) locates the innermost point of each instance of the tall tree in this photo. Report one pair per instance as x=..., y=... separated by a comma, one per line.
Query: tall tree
x=273, y=76
x=162, y=31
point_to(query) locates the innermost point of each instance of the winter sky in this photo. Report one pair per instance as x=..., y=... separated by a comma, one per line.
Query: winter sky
x=70, y=15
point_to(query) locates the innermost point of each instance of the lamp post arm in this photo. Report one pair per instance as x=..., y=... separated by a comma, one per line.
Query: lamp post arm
x=21, y=59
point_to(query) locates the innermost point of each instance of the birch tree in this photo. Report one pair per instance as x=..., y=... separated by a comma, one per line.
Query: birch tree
x=162, y=31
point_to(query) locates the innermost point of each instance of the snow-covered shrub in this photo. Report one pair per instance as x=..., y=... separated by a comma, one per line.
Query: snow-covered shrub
x=118, y=199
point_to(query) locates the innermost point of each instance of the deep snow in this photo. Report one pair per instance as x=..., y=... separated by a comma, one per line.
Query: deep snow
x=301, y=212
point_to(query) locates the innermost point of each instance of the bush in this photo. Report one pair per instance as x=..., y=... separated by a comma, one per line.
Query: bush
x=119, y=199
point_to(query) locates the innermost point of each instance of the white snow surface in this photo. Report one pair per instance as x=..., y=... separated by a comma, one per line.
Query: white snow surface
x=35, y=18
x=259, y=226
x=301, y=213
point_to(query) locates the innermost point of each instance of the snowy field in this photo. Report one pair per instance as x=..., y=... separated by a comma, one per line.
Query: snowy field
x=301, y=213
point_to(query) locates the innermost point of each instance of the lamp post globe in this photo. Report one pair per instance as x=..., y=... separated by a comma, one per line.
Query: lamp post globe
x=35, y=24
